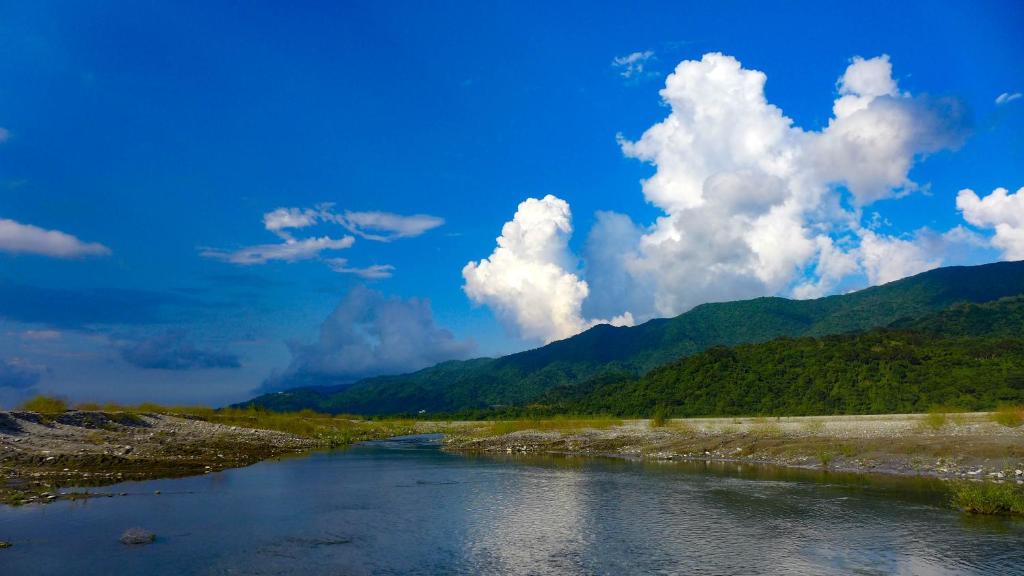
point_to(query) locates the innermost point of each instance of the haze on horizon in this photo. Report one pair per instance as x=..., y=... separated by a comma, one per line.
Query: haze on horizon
x=199, y=204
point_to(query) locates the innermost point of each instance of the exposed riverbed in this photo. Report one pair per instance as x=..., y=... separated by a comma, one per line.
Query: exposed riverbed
x=407, y=507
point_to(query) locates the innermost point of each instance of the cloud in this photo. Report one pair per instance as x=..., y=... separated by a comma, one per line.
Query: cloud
x=369, y=334
x=527, y=280
x=751, y=204
x=18, y=374
x=373, y=272
x=288, y=251
x=287, y=218
x=632, y=65
x=387, y=226
x=1006, y=97
x=173, y=351
x=1000, y=211
x=17, y=238
x=378, y=226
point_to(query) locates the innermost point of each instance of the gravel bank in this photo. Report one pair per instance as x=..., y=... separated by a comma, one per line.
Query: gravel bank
x=954, y=446
x=40, y=454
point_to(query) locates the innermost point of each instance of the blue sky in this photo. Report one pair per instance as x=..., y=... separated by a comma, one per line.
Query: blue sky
x=159, y=135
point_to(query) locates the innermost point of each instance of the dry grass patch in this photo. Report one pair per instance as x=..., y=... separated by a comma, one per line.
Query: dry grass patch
x=1010, y=416
x=503, y=427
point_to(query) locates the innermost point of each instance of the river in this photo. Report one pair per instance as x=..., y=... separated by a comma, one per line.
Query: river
x=405, y=507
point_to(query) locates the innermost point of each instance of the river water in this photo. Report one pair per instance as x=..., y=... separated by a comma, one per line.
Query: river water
x=405, y=507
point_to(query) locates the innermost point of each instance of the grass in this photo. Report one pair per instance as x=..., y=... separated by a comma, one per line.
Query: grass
x=558, y=424
x=45, y=405
x=814, y=426
x=765, y=428
x=988, y=498
x=1009, y=416
x=332, y=430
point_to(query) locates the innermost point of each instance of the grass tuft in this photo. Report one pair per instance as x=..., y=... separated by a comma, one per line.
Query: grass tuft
x=45, y=405
x=988, y=498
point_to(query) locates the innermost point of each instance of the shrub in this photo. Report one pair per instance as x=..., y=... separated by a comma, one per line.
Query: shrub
x=659, y=417
x=934, y=419
x=88, y=406
x=45, y=405
x=1010, y=416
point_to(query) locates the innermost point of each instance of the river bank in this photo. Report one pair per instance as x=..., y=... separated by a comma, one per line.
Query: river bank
x=949, y=446
x=42, y=454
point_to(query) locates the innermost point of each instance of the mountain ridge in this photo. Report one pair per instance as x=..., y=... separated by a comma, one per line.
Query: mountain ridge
x=525, y=376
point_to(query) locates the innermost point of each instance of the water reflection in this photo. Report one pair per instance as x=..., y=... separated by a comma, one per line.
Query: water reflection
x=404, y=507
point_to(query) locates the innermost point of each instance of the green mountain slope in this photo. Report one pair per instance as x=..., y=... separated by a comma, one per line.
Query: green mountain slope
x=526, y=376
x=970, y=356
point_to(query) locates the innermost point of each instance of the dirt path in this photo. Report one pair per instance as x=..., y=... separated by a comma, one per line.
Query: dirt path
x=953, y=446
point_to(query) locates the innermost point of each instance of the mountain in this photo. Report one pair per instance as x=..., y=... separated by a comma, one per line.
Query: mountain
x=969, y=356
x=522, y=378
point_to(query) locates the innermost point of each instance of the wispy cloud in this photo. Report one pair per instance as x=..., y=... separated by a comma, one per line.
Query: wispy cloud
x=17, y=238
x=372, y=225
x=374, y=272
x=1006, y=97
x=288, y=251
x=387, y=226
x=632, y=65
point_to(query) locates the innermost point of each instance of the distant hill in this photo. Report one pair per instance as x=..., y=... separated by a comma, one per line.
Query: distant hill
x=632, y=351
x=969, y=356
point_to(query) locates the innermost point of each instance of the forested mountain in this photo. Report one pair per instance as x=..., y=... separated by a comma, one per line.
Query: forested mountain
x=970, y=356
x=624, y=354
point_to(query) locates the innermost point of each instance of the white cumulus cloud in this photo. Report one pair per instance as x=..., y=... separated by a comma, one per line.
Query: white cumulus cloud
x=17, y=238
x=751, y=203
x=528, y=281
x=1000, y=211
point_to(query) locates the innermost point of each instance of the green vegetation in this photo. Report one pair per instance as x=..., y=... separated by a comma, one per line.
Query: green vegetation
x=876, y=372
x=1010, y=416
x=608, y=354
x=934, y=419
x=45, y=405
x=659, y=416
x=560, y=424
x=988, y=498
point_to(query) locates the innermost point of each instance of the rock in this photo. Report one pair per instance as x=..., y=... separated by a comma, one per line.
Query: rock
x=5, y=544
x=157, y=492
x=137, y=536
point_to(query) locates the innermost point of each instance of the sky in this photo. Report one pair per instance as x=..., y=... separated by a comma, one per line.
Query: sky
x=200, y=201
